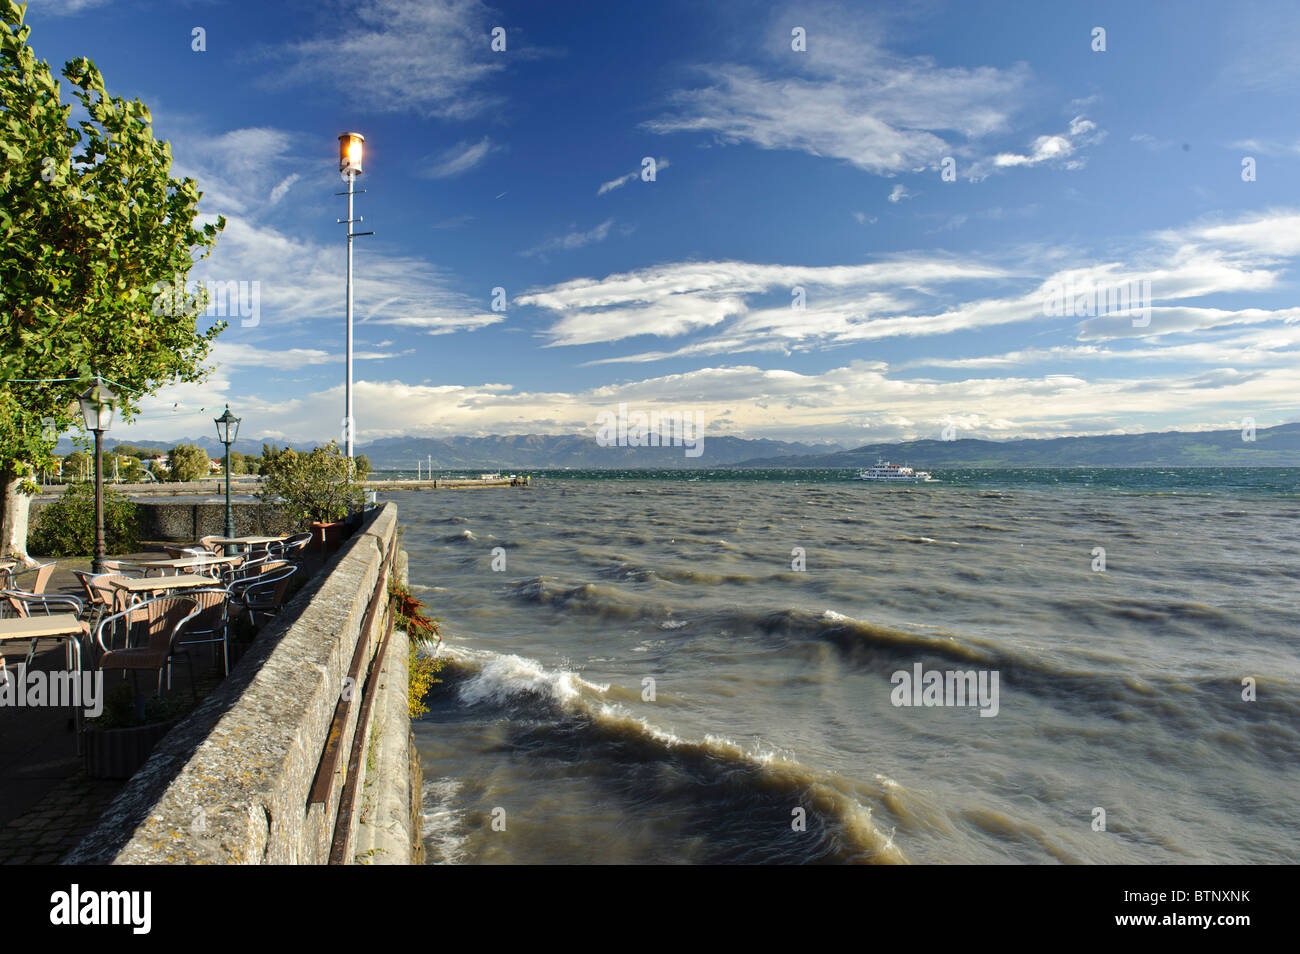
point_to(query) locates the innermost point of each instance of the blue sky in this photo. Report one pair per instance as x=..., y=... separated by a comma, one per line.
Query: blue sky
x=926, y=303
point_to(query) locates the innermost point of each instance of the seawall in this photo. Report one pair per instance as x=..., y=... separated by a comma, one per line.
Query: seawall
x=272, y=766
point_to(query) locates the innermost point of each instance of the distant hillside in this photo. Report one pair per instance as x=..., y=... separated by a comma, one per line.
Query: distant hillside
x=1273, y=447
x=536, y=451
x=578, y=451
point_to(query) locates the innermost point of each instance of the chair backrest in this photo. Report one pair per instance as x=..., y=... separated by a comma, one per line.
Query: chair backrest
x=124, y=568
x=27, y=604
x=160, y=619
x=272, y=585
x=43, y=574
x=209, y=543
x=212, y=609
x=11, y=602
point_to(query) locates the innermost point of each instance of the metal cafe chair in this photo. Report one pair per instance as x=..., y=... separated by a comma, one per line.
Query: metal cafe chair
x=210, y=625
x=265, y=594
x=156, y=625
x=23, y=605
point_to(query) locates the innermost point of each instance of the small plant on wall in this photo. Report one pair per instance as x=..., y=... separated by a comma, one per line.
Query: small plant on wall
x=424, y=637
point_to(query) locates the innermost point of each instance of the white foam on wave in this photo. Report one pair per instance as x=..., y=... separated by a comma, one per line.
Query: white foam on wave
x=440, y=827
x=501, y=677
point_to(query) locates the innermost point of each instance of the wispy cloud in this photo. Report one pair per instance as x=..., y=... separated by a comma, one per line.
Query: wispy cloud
x=1058, y=149
x=572, y=240
x=433, y=59
x=460, y=158
x=660, y=164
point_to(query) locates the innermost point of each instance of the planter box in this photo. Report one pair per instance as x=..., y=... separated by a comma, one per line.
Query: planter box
x=327, y=537
x=119, y=753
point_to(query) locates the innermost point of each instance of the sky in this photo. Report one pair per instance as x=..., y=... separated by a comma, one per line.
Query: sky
x=819, y=222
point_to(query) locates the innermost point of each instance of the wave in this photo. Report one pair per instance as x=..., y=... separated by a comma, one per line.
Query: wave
x=742, y=799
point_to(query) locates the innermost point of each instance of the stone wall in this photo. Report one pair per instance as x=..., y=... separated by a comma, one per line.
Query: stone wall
x=176, y=522
x=231, y=784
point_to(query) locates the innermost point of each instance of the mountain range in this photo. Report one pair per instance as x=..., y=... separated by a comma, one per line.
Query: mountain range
x=1271, y=447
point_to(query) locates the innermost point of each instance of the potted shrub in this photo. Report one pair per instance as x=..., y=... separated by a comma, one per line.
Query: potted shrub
x=118, y=741
x=317, y=491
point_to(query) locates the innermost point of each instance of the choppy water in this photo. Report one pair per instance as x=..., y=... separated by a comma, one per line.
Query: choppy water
x=1119, y=690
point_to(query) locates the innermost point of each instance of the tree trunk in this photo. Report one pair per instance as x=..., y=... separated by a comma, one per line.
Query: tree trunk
x=13, y=518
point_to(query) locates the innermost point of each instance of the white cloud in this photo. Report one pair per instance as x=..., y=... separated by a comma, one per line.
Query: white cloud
x=282, y=189
x=459, y=158
x=1057, y=148
x=899, y=193
x=660, y=164
x=751, y=401
x=670, y=300
x=850, y=99
x=430, y=58
x=572, y=240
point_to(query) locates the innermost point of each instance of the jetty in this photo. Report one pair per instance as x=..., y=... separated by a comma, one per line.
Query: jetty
x=448, y=483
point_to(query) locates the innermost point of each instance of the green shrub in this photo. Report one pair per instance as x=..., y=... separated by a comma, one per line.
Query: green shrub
x=67, y=526
x=320, y=486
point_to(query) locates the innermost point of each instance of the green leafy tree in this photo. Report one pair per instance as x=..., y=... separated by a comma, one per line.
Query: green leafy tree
x=315, y=487
x=74, y=466
x=130, y=468
x=187, y=462
x=96, y=239
x=362, y=464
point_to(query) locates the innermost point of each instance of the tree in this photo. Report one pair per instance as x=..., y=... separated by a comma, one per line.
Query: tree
x=96, y=240
x=362, y=464
x=188, y=462
x=74, y=466
x=312, y=487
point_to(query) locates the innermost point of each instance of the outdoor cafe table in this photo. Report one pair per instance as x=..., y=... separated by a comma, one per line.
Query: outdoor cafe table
x=64, y=626
x=142, y=587
x=248, y=543
x=187, y=563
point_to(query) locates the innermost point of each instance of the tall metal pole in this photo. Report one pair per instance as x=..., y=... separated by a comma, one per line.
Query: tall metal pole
x=98, y=563
x=348, y=389
x=230, y=514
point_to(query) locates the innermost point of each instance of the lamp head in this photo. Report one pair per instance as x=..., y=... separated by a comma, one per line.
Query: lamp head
x=227, y=427
x=350, y=153
x=97, y=406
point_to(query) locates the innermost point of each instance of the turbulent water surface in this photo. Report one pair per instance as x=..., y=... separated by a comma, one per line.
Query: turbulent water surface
x=650, y=678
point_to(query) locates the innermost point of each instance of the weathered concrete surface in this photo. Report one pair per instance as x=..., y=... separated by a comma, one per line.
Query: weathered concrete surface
x=230, y=784
x=384, y=831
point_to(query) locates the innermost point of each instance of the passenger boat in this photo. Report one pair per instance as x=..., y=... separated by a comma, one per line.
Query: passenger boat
x=895, y=473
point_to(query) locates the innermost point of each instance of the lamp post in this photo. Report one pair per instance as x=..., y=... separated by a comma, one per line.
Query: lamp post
x=350, y=152
x=227, y=433
x=97, y=405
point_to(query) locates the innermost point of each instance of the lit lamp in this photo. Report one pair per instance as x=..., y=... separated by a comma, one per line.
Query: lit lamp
x=350, y=152
x=350, y=149
x=227, y=433
x=97, y=405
